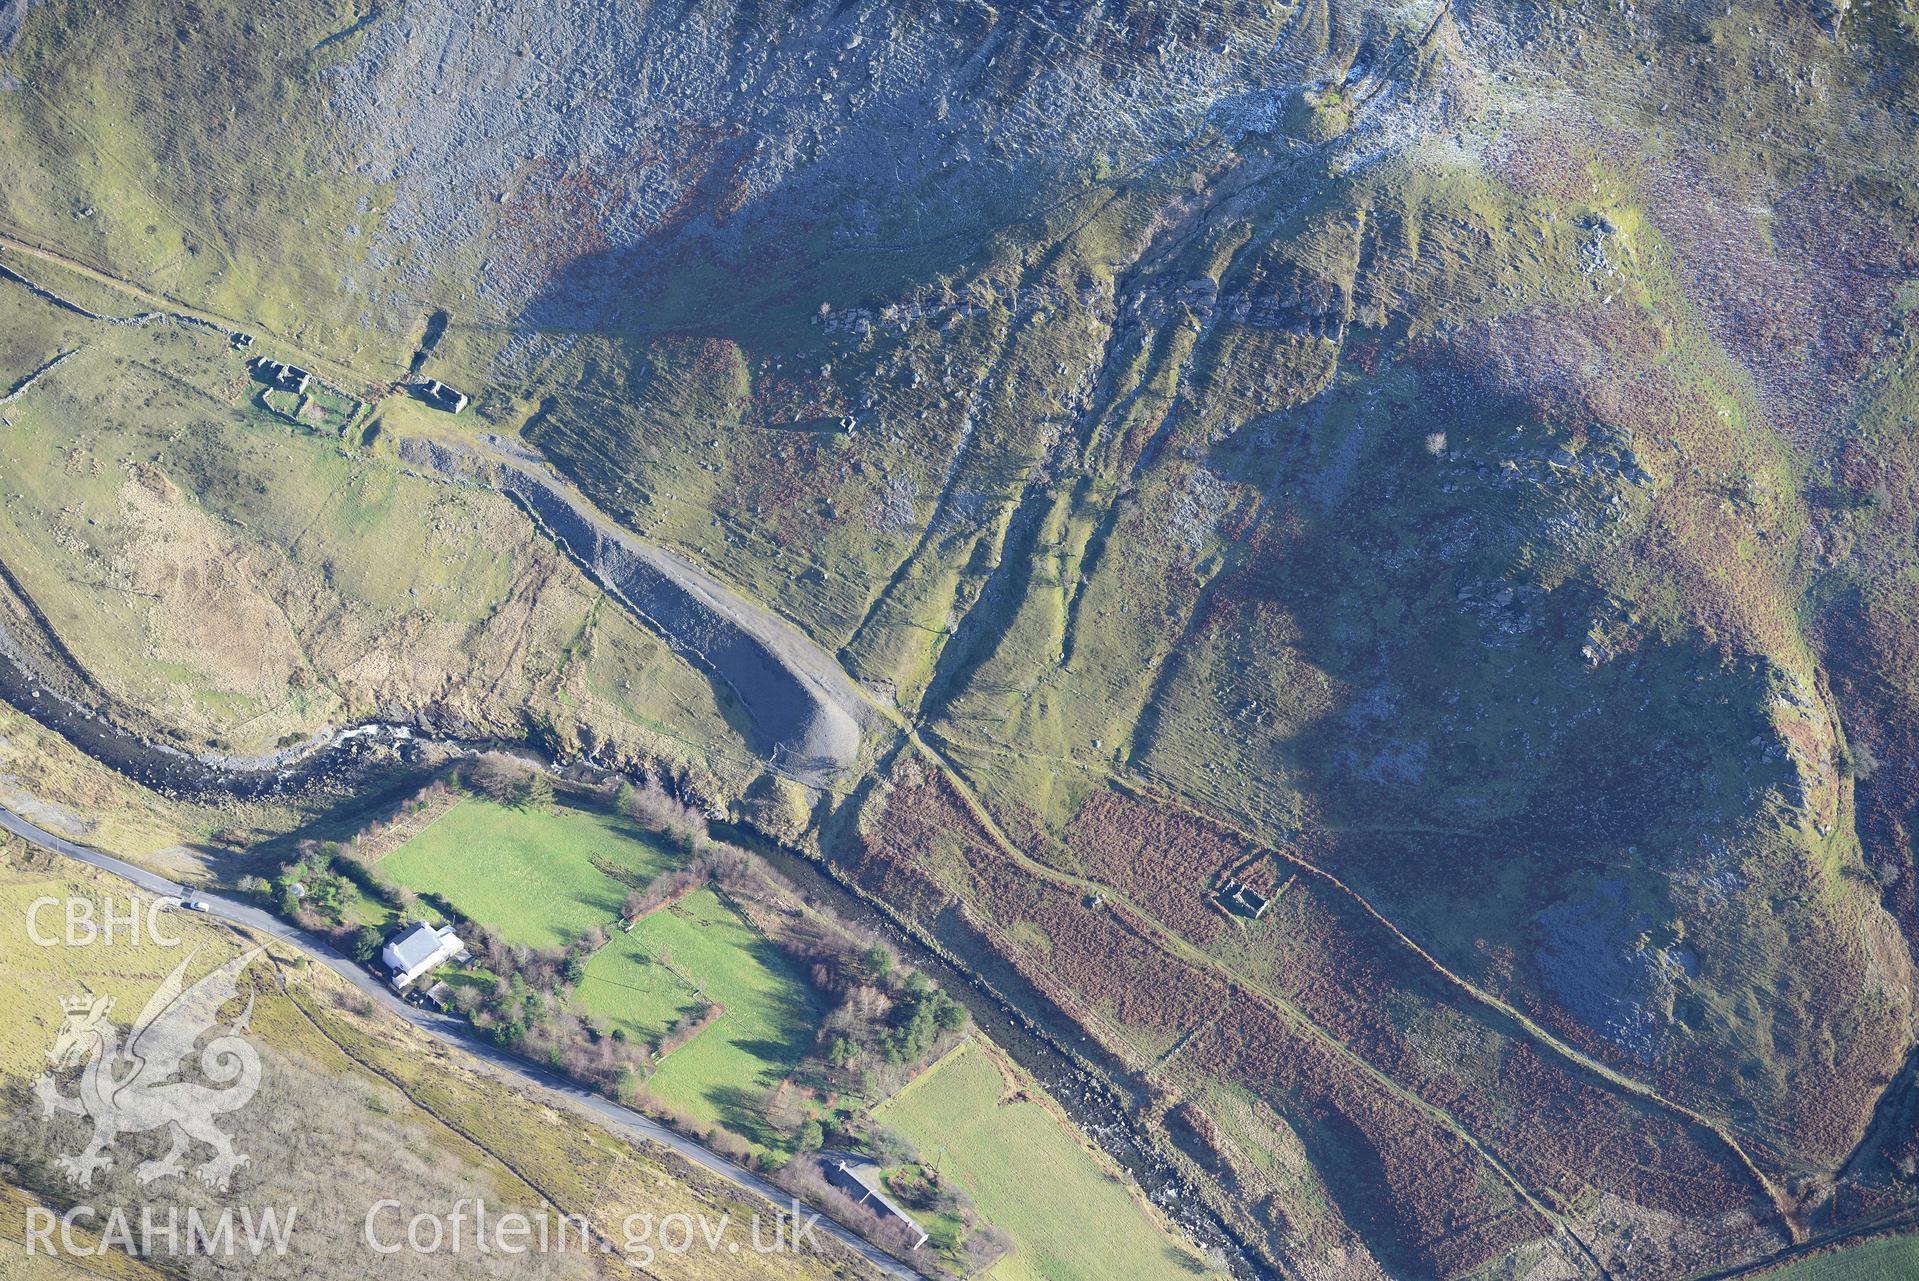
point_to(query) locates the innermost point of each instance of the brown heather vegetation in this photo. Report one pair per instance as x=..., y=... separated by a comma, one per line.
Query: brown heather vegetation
x=1394, y=1175
x=1565, y=1132
x=1097, y=964
x=1472, y=442
x=1566, y=1136
x=1164, y=861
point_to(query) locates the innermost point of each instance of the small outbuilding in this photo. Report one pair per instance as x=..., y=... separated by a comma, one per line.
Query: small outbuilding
x=283, y=377
x=441, y=396
x=860, y=1180
x=1240, y=897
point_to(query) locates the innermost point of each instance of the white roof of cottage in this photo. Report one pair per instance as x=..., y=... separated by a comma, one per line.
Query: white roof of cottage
x=413, y=948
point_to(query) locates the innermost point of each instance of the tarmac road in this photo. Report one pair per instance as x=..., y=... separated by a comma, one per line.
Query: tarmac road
x=596, y=1108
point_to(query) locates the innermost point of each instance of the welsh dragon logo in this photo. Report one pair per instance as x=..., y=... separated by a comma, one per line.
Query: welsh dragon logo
x=133, y=1088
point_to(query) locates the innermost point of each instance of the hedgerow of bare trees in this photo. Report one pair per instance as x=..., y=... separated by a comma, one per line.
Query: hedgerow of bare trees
x=887, y=1020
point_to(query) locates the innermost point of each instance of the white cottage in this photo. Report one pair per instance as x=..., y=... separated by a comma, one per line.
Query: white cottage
x=414, y=951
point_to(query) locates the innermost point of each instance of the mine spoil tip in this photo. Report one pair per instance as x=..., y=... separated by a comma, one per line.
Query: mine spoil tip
x=805, y=713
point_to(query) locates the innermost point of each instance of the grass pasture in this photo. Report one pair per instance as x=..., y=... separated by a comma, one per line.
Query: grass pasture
x=250, y=582
x=18, y=1265
x=1031, y=1177
x=700, y=948
x=352, y=1105
x=542, y=879
x=1892, y=1260
x=626, y=986
x=539, y=879
x=126, y=968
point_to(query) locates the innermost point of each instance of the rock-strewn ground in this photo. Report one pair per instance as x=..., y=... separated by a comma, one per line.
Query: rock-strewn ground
x=1457, y=455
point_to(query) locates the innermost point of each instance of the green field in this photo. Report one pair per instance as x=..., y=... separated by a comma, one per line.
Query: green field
x=1894, y=1260
x=539, y=879
x=625, y=985
x=363, y=1085
x=322, y=549
x=542, y=879
x=1067, y=1215
x=700, y=950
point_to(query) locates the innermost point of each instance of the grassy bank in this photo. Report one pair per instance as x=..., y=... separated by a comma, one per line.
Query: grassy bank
x=1068, y=1215
x=352, y=1105
x=1894, y=1260
x=539, y=878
